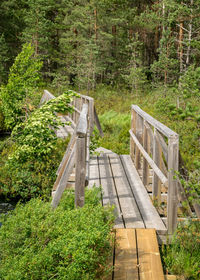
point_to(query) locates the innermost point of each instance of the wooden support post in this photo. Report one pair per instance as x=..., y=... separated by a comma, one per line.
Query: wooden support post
x=157, y=154
x=91, y=115
x=81, y=146
x=172, y=200
x=80, y=171
x=146, y=146
x=139, y=129
x=133, y=127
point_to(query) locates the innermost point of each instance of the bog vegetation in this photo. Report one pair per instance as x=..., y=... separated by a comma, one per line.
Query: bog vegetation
x=119, y=52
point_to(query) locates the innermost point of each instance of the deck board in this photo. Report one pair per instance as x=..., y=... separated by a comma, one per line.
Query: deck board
x=150, y=266
x=109, y=192
x=126, y=255
x=137, y=255
x=149, y=213
x=131, y=214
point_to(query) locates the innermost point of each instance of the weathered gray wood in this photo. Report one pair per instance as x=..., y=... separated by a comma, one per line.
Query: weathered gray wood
x=109, y=195
x=172, y=201
x=87, y=176
x=163, y=145
x=158, y=172
x=138, y=133
x=97, y=122
x=161, y=127
x=67, y=153
x=145, y=167
x=130, y=212
x=156, y=184
x=80, y=171
x=82, y=123
x=91, y=115
x=149, y=214
x=132, y=146
x=94, y=172
x=64, y=179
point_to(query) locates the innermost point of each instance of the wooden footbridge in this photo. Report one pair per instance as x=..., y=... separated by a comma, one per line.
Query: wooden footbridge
x=134, y=183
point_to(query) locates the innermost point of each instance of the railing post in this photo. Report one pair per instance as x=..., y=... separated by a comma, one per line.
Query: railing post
x=172, y=199
x=146, y=145
x=156, y=184
x=80, y=171
x=139, y=129
x=133, y=128
x=81, y=146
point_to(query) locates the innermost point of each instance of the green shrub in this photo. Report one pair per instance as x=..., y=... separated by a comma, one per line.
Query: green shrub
x=181, y=257
x=30, y=178
x=68, y=243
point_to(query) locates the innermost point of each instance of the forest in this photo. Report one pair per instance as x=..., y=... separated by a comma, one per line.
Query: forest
x=119, y=52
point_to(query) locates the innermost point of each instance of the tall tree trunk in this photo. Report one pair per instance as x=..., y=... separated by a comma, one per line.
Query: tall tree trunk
x=189, y=36
x=180, y=47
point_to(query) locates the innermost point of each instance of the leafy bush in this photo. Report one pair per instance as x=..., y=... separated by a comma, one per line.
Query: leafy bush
x=17, y=95
x=181, y=257
x=31, y=178
x=38, y=243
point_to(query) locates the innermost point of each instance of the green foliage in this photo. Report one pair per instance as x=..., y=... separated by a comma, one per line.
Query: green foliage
x=116, y=131
x=33, y=152
x=191, y=185
x=36, y=138
x=23, y=81
x=181, y=257
x=31, y=178
x=39, y=243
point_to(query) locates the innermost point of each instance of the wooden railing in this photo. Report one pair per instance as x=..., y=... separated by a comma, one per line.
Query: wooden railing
x=77, y=154
x=155, y=146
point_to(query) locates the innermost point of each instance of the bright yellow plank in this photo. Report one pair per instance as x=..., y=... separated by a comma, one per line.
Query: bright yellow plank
x=125, y=255
x=150, y=266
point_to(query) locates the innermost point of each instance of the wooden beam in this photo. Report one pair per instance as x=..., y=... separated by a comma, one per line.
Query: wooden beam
x=156, y=184
x=161, y=127
x=158, y=172
x=64, y=179
x=172, y=200
x=97, y=122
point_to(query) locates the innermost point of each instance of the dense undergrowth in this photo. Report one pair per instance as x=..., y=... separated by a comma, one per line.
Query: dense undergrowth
x=181, y=257
x=114, y=106
x=67, y=243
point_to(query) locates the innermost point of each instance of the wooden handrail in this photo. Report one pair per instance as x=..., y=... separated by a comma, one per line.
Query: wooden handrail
x=148, y=139
x=156, y=169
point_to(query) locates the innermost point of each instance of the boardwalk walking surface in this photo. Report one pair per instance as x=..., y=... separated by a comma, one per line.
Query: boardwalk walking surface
x=123, y=187
x=136, y=254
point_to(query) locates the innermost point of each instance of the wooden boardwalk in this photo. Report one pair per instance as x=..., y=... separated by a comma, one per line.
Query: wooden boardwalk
x=136, y=255
x=123, y=188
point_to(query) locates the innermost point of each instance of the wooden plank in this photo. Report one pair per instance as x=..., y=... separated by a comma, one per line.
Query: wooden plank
x=109, y=195
x=150, y=267
x=64, y=179
x=145, y=167
x=68, y=151
x=156, y=184
x=161, y=127
x=126, y=267
x=138, y=133
x=82, y=125
x=130, y=211
x=97, y=122
x=80, y=172
x=158, y=172
x=149, y=214
x=94, y=172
